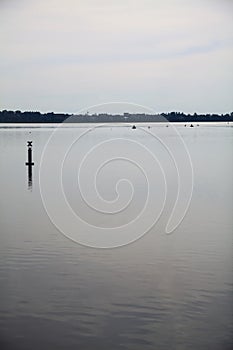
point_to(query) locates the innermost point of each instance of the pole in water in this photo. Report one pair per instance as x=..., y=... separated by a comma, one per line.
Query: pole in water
x=29, y=163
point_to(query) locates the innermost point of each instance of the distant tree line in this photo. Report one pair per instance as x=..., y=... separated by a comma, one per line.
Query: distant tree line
x=37, y=117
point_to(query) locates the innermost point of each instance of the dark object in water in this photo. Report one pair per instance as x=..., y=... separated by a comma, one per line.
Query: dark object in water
x=191, y=126
x=29, y=164
x=133, y=127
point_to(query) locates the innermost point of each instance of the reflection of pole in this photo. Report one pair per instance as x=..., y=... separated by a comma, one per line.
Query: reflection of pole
x=29, y=163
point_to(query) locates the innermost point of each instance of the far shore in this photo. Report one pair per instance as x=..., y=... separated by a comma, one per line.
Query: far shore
x=116, y=124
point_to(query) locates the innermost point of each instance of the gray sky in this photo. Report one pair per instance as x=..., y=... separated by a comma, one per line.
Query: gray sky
x=64, y=55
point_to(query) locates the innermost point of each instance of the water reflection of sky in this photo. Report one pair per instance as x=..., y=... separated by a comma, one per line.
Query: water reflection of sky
x=160, y=292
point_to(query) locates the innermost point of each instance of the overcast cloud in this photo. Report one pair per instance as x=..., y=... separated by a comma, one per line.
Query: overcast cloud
x=62, y=56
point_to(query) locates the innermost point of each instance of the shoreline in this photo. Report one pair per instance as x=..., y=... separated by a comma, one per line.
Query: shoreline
x=112, y=124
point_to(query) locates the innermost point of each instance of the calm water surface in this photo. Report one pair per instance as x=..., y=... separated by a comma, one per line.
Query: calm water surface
x=160, y=292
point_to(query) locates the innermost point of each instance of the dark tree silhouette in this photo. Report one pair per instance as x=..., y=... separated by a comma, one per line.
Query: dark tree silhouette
x=51, y=117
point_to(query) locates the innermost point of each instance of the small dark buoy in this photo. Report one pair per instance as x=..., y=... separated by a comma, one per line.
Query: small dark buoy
x=133, y=127
x=191, y=126
x=149, y=127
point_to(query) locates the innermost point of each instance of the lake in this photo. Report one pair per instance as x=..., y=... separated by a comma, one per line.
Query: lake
x=60, y=289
